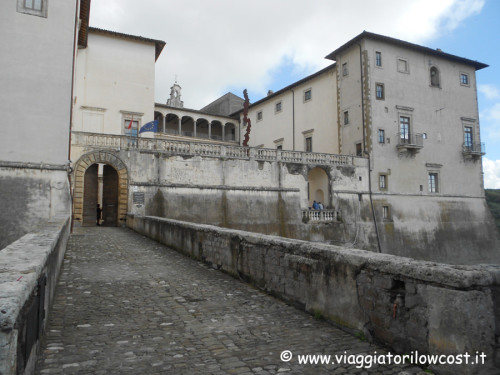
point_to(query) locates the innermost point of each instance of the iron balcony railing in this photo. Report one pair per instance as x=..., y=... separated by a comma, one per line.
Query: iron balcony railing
x=406, y=140
x=196, y=148
x=470, y=148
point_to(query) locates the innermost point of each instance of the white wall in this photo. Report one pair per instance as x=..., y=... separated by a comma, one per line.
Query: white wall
x=36, y=62
x=114, y=77
x=318, y=114
x=436, y=111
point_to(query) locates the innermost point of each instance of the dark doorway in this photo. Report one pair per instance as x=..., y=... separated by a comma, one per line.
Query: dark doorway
x=90, y=185
x=110, y=196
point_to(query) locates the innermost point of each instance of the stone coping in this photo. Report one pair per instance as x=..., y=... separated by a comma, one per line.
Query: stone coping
x=447, y=275
x=21, y=266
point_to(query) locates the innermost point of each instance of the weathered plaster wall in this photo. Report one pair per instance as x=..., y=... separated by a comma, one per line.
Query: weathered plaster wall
x=269, y=196
x=442, y=229
x=25, y=264
x=439, y=309
x=30, y=197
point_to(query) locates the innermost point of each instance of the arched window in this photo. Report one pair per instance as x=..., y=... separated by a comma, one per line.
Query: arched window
x=434, y=77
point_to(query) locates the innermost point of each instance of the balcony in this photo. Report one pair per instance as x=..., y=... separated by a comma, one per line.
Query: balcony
x=213, y=149
x=320, y=216
x=473, y=150
x=410, y=142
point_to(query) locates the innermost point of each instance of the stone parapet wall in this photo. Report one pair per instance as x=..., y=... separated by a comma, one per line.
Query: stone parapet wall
x=407, y=304
x=29, y=268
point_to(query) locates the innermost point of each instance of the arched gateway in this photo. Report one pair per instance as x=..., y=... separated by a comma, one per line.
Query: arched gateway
x=88, y=193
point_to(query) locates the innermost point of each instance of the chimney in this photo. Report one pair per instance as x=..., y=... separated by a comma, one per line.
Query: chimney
x=270, y=92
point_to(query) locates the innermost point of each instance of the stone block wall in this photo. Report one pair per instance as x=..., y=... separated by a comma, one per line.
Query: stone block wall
x=30, y=195
x=28, y=276
x=407, y=304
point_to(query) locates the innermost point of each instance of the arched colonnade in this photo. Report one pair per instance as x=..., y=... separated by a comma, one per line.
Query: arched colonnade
x=191, y=125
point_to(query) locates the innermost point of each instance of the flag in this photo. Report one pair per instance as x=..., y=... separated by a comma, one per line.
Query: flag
x=150, y=127
x=130, y=123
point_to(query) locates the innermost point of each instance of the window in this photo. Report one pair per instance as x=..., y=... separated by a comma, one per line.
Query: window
x=386, y=212
x=33, y=7
x=378, y=58
x=259, y=116
x=434, y=72
x=346, y=117
x=433, y=183
x=381, y=136
x=359, y=149
x=382, y=181
x=278, y=107
x=309, y=144
x=404, y=129
x=279, y=147
x=379, y=91
x=131, y=127
x=344, y=69
x=464, y=79
x=307, y=95
x=33, y=4
x=468, y=138
x=403, y=66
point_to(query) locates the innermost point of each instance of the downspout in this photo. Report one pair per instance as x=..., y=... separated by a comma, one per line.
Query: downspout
x=364, y=149
x=293, y=119
x=77, y=5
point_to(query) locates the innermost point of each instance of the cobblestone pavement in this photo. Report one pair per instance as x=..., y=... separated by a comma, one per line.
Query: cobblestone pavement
x=125, y=304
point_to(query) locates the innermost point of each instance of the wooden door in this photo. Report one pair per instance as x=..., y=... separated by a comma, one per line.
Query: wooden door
x=90, y=196
x=110, y=196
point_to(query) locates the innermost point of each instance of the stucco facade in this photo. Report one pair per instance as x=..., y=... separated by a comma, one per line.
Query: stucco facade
x=37, y=46
x=289, y=116
x=115, y=78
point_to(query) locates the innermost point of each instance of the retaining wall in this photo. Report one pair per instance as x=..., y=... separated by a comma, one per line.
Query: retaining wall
x=29, y=268
x=407, y=304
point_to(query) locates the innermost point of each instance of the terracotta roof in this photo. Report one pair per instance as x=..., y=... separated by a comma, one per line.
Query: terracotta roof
x=159, y=44
x=434, y=52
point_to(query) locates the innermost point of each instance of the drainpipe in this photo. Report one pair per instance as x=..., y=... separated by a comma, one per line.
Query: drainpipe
x=75, y=35
x=364, y=149
x=293, y=119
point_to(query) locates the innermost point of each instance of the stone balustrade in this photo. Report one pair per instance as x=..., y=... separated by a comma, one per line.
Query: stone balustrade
x=119, y=142
x=320, y=215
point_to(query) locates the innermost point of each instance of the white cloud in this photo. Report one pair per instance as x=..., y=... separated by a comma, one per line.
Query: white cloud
x=213, y=45
x=491, y=92
x=492, y=113
x=491, y=169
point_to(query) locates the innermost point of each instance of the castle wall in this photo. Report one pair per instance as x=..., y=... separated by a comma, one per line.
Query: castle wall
x=260, y=192
x=30, y=197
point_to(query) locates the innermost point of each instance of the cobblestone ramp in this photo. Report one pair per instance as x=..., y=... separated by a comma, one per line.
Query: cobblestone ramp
x=127, y=305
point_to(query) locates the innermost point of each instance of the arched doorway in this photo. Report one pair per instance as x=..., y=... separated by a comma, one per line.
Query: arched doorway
x=319, y=187
x=100, y=177
x=100, y=188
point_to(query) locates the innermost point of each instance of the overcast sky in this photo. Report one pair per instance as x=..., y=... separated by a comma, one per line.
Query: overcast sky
x=216, y=46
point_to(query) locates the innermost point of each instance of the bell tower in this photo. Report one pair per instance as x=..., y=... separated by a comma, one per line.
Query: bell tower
x=175, y=96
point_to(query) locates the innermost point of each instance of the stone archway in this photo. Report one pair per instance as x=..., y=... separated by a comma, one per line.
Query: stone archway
x=81, y=166
x=319, y=186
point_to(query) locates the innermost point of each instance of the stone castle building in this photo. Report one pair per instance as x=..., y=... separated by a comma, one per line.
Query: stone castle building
x=387, y=137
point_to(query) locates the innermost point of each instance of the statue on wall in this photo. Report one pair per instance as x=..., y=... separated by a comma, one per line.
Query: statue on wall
x=246, y=120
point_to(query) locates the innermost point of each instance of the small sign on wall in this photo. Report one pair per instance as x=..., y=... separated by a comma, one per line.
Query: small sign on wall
x=138, y=198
